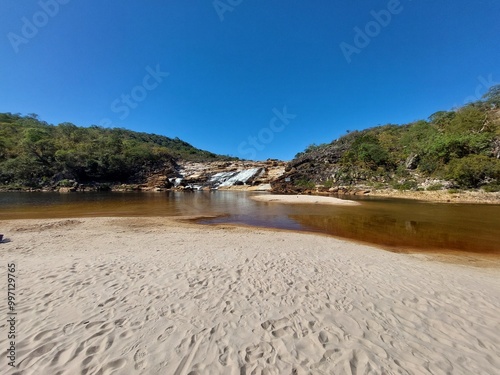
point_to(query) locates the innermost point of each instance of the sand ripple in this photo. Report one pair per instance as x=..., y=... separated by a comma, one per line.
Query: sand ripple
x=104, y=297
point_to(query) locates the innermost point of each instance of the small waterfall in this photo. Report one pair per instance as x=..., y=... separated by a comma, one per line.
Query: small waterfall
x=175, y=181
x=225, y=179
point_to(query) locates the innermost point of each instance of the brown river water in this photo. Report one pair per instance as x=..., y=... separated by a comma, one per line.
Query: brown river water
x=395, y=224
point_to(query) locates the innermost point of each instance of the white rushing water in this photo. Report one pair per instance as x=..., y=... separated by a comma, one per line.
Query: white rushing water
x=224, y=179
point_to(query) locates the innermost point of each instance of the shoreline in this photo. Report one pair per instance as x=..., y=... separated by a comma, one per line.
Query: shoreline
x=482, y=258
x=458, y=257
x=155, y=295
x=439, y=196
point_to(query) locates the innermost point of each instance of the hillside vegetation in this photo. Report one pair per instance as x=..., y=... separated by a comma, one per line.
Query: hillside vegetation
x=459, y=149
x=36, y=154
x=451, y=149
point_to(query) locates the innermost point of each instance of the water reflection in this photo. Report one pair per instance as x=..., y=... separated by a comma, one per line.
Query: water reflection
x=414, y=225
x=400, y=224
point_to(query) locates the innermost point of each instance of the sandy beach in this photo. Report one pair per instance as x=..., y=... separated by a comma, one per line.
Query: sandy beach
x=155, y=296
x=303, y=199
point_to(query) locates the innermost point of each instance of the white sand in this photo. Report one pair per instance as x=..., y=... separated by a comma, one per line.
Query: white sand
x=303, y=199
x=144, y=296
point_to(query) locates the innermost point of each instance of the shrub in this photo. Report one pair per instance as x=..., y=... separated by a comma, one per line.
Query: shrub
x=328, y=184
x=66, y=183
x=429, y=164
x=406, y=185
x=468, y=119
x=435, y=187
x=304, y=183
x=472, y=170
x=378, y=185
x=491, y=188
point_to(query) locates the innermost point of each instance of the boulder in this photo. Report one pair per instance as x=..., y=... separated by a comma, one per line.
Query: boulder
x=67, y=189
x=412, y=161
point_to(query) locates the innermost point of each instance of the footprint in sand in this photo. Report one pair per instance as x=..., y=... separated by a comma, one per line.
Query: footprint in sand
x=42, y=334
x=120, y=322
x=323, y=338
x=166, y=333
x=38, y=352
x=63, y=356
x=280, y=332
x=93, y=324
x=224, y=355
x=262, y=351
x=111, y=367
x=140, y=359
x=87, y=360
x=68, y=328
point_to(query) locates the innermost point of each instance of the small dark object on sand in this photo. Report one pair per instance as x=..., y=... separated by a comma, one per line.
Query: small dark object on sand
x=1, y=237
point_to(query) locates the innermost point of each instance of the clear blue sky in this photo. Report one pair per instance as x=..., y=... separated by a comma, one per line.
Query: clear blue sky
x=231, y=68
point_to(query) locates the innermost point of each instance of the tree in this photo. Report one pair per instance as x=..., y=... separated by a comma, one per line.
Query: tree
x=469, y=119
x=473, y=170
x=493, y=96
x=442, y=119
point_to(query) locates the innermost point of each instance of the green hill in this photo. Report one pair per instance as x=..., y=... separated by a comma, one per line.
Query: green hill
x=36, y=154
x=459, y=148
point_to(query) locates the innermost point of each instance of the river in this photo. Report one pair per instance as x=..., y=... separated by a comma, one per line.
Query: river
x=395, y=224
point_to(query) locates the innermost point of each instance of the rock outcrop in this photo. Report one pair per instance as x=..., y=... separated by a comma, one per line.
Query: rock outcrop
x=228, y=174
x=185, y=175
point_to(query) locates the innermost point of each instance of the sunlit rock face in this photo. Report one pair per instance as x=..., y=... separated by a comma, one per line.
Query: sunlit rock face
x=225, y=179
x=227, y=175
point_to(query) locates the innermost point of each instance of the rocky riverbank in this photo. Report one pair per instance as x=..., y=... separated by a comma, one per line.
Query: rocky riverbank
x=271, y=176
x=446, y=196
x=443, y=196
